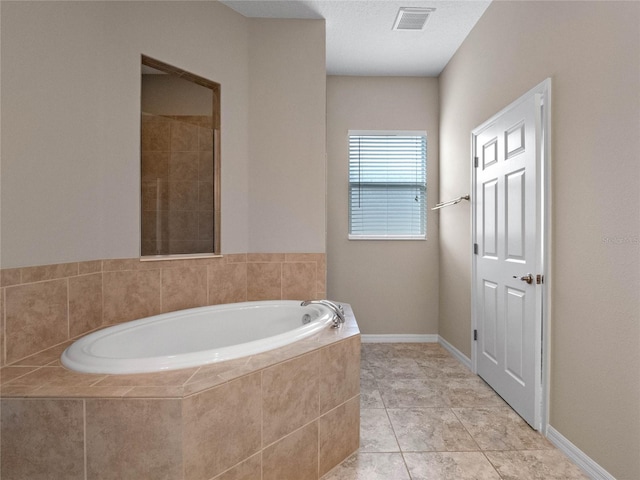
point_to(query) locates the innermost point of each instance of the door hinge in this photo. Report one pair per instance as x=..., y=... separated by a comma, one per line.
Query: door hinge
x=539, y=279
x=475, y=335
x=475, y=248
x=475, y=162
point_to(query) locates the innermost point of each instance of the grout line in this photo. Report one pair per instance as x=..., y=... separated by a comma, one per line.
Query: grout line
x=84, y=436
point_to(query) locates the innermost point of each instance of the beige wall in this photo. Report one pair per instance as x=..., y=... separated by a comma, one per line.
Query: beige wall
x=287, y=114
x=71, y=124
x=391, y=285
x=591, y=52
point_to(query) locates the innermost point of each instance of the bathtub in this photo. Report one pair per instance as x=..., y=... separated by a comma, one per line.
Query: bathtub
x=195, y=337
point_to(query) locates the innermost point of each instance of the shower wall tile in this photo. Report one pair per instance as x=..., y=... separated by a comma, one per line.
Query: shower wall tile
x=35, y=317
x=154, y=166
x=298, y=281
x=183, y=287
x=85, y=303
x=134, y=438
x=205, y=139
x=340, y=373
x=339, y=434
x=131, y=294
x=183, y=196
x=42, y=438
x=227, y=282
x=294, y=457
x=183, y=167
x=290, y=396
x=184, y=137
x=215, y=439
x=156, y=134
x=264, y=281
x=205, y=166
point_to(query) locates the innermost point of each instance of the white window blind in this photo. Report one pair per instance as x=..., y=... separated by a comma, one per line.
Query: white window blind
x=387, y=185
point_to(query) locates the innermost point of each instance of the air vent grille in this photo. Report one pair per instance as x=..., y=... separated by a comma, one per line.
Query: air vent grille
x=412, y=19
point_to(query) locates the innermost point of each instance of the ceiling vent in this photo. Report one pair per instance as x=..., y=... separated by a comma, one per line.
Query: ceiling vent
x=412, y=19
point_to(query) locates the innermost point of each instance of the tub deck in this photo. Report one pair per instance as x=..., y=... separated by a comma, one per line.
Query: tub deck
x=243, y=417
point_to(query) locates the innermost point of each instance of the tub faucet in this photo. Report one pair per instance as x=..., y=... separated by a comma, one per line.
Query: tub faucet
x=338, y=311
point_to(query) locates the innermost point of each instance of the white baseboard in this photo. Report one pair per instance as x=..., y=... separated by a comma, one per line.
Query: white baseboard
x=462, y=358
x=399, y=338
x=591, y=468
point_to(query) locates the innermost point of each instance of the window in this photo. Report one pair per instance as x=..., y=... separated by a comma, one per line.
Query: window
x=387, y=185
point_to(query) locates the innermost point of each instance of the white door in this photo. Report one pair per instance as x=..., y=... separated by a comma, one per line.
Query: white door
x=507, y=205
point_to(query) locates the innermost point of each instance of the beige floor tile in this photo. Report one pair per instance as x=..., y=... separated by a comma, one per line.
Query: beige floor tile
x=370, y=398
x=450, y=466
x=397, y=368
x=430, y=430
x=376, y=433
x=408, y=393
x=535, y=465
x=469, y=391
x=500, y=428
x=370, y=466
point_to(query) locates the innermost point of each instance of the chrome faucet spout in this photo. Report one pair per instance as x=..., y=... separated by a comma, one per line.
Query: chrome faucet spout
x=338, y=311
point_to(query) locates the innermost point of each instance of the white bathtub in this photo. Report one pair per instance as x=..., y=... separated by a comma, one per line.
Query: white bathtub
x=194, y=337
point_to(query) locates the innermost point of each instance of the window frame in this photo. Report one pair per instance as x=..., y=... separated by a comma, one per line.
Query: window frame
x=387, y=236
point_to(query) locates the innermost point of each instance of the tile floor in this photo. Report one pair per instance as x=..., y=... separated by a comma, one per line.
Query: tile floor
x=424, y=415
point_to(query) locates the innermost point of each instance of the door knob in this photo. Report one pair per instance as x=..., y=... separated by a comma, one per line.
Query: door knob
x=527, y=278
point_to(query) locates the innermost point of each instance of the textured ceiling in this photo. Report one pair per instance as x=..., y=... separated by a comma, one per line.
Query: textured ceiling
x=360, y=39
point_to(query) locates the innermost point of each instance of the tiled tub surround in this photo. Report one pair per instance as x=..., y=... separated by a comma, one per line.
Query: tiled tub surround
x=291, y=413
x=44, y=306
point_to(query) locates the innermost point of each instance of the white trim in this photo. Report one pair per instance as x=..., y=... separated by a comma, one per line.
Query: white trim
x=577, y=456
x=399, y=338
x=461, y=357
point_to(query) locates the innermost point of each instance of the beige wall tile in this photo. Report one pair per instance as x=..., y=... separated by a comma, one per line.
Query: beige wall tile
x=155, y=135
x=222, y=427
x=295, y=457
x=134, y=438
x=49, y=272
x=250, y=469
x=85, y=303
x=339, y=434
x=161, y=379
x=154, y=165
x=10, y=276
x=183, y=167
x=264, y=281
x=42, y=439
x=265, y=257
x=227, y=283
x=129, y=295
x=321, y=274
x=289, y=396
x=91, y=266
x=298, y=281
x=36, y=317
x=184, y=137
x=184, y=287
x=44, y=357
x=2, y=359
x=205, y=139
x=183, y=196
x=340, y=373
x=235, y=258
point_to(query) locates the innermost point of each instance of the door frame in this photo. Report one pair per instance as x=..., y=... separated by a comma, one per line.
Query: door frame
x=543, y=260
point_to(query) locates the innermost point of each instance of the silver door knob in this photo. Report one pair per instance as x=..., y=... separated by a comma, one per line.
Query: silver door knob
x=527, y=278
